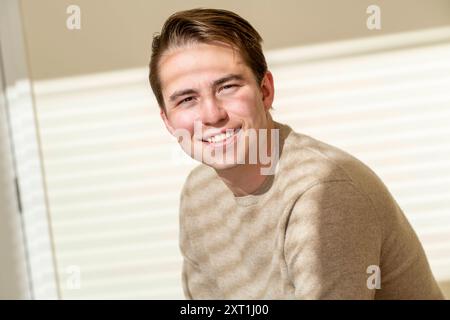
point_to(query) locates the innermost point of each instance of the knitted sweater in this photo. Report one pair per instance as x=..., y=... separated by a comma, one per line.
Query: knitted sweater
x=324, y=226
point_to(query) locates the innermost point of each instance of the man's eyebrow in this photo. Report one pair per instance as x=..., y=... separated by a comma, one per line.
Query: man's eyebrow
x=215, y=83
x=227, y=78
x=180, y=93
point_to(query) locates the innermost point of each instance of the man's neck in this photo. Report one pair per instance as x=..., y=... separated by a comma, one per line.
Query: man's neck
x=247, y=178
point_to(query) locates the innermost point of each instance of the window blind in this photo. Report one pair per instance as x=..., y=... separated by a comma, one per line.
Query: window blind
x=114, y=174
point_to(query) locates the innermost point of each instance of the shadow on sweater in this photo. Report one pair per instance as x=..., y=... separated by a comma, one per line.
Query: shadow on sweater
x=445, y=287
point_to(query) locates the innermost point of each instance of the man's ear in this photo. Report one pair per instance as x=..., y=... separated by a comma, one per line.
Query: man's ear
x=267, y=90
x=163, y=115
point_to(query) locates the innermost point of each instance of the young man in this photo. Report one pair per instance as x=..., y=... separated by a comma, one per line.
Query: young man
x=313, y=222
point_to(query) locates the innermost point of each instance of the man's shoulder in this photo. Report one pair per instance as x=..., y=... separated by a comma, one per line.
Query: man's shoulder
x=198, y=179
x=319, y=159
x=315, y=161
x=331, y=182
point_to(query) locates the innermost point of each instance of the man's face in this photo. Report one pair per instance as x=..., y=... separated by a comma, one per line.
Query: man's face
x=209, y=87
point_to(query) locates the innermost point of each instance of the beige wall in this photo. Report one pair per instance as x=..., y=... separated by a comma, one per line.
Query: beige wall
x=116, y=34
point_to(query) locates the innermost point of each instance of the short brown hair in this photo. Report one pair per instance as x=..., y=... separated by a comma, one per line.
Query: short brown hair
x=207, y=26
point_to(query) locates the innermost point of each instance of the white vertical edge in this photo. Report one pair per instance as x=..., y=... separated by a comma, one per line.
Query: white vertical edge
x=37, y=236
x=14, y=279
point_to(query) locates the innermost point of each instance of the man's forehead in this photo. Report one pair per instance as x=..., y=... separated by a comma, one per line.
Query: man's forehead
x=200, y=65
x=199, y=56
x=196, y=45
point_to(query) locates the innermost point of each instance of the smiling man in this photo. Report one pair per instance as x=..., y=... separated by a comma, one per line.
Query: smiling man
x=270, y=213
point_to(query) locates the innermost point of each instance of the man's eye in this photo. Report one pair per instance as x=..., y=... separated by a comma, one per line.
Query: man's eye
x=186, y=100
x=228, y=86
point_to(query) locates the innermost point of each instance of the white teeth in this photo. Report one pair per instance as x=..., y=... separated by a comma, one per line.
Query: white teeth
x=221, y=136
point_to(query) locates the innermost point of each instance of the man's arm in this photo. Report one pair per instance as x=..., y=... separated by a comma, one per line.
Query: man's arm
x=196, y=283
x=332, y=238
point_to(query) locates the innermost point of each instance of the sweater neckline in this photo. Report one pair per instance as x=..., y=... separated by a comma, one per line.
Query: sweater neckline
x=253, y=198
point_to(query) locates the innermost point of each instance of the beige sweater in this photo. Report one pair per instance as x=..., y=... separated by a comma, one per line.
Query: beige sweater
x=317, y=229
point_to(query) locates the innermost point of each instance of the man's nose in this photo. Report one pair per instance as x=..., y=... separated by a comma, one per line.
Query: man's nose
x=212, y=112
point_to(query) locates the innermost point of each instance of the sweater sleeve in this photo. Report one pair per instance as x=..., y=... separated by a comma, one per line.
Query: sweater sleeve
x=333, y=243
x=184, y=278
x=196, y=282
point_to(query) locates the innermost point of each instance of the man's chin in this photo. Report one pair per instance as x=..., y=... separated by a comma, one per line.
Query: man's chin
x=222, y=160
x=221, y=165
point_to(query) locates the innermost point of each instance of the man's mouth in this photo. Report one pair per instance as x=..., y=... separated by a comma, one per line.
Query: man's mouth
x=222, y=139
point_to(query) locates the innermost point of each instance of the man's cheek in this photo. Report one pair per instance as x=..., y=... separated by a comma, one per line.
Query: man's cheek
x=244, y=105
